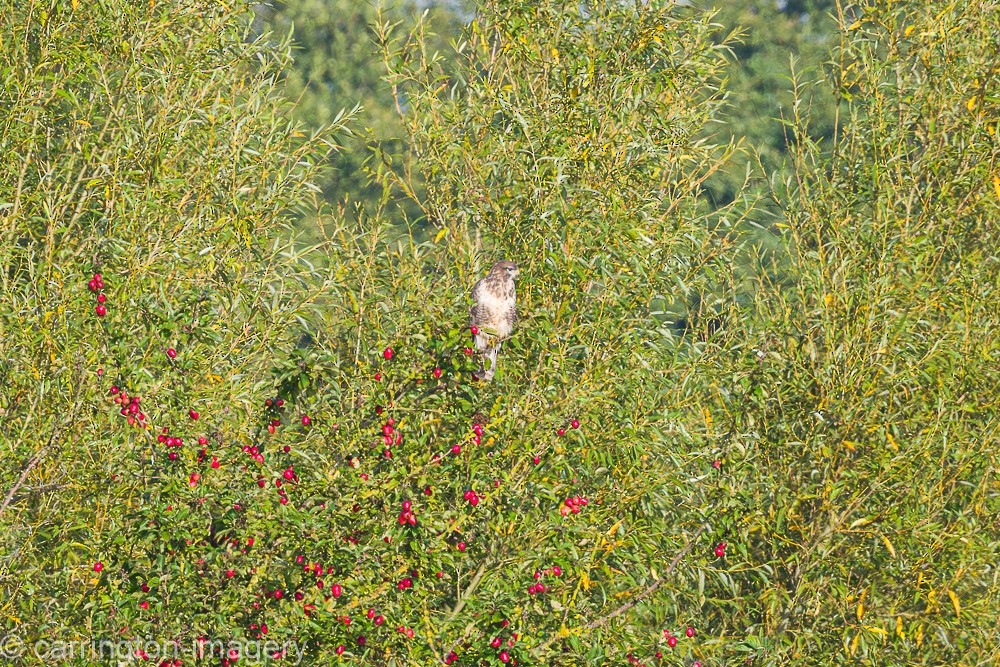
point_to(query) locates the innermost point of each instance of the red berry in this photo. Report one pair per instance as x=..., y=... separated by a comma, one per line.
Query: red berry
x=336, y=590
x=575, y=423
x=92, y=285
x=561, y=431
x=671, y=641
x=230, y=573
x=537, y=460
x=305, y=420
x=437, y=372
x=387, y=353
x=378, y=377
x=98, y=566
x=556, y=570
x=689, y=632
x=474, y=330
x=716, y=464
x=461, y=546
x=339, y=650
x=101, y=310
x=439, y=575
x=171, y=352
x=504, y=656
x=456, y=449
x=496, y=642
x=192, y=414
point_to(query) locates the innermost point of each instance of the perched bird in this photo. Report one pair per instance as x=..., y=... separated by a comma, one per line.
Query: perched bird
x=492, y=318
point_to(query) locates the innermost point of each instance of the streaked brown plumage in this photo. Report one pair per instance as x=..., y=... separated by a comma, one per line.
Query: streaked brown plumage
x=494, y=312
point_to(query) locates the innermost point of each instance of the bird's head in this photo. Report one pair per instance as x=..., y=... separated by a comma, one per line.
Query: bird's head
x=506, y=269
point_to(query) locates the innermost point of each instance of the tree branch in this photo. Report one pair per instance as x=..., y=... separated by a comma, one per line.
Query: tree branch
x=652, y=588
x=24, y=475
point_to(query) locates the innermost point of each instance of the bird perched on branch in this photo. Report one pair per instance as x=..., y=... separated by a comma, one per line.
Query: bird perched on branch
x=492, y=318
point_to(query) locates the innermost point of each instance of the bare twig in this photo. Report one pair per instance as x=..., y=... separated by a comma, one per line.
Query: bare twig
x=24, y=475
x=604, y=620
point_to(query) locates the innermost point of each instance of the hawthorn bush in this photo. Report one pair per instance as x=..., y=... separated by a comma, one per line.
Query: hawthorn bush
x=215, y=432
x=308, y=461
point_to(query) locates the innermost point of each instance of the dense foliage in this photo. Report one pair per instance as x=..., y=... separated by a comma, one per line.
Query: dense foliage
x=239, y=424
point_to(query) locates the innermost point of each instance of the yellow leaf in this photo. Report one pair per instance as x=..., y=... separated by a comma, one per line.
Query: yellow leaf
x=996, y=185
x=888, y=545
x=854, y=643
x=908, y=31
x=854, y=26
x=920, y=635
x=899, y=627
x=555, y=54
x=878, y=631
x=971, y=104
x=955, y=603
x=828, y=298
x=861, y=610
x=440, y=234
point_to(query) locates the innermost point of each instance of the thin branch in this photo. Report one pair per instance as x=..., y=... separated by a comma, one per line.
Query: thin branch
x=652, y=588
x=24, y=475
x=468, y=591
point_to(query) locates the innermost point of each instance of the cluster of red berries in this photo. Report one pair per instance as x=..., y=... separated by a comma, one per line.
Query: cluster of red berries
x=671, y=642
x=720, y=550
x=290, y=477
x=572, y=505
x=406, y=631
x=275, y=406
x=96, y=284
x=407, y=516
x=450, y=658
x=540, y=587
x=573, y=424
x=129, y=407
x=471, y=496
x=254, y=453
x=390, y=437
x=404, y=583
x=170, y=441
x=203, y=452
